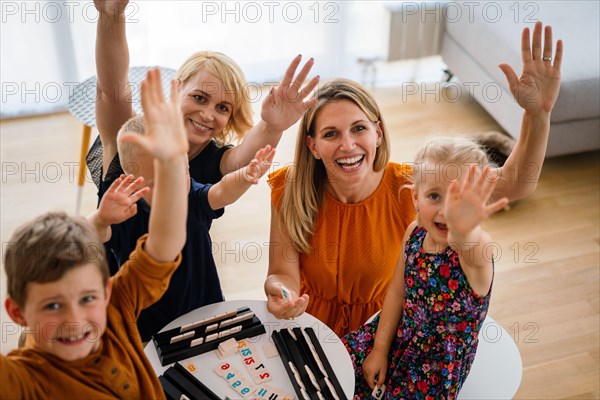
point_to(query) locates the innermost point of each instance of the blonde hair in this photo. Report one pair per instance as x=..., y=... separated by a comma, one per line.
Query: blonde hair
x=130, y=154
x=230, y=73
x=444, y=152
x=305, y=180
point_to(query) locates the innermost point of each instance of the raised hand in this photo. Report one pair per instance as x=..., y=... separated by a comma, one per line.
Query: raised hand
x=259, y=165
x=165, y=136
x=466, y=202
x=119, y=202
x=111, y=7
x=537, y=88
x=286, y=103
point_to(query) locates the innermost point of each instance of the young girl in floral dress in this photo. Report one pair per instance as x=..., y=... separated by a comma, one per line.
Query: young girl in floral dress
x=423, y=343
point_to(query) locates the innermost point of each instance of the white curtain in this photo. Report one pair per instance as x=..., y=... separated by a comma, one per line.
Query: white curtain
x=47, y=46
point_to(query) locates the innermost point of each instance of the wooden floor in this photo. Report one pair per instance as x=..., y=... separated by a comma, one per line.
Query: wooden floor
x=546, y=289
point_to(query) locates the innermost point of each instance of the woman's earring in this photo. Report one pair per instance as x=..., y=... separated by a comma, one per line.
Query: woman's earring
x=316, y=156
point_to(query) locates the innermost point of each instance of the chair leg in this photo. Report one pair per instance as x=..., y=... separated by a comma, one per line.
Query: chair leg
x=85, y=145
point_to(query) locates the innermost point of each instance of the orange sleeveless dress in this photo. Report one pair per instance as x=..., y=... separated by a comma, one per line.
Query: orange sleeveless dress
x=355, y=248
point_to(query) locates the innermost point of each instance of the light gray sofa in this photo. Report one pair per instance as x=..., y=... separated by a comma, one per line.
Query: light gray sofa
x=480, y=35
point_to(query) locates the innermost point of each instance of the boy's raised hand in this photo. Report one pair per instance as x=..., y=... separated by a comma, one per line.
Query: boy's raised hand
x=119, y=202
x=259, y=165
x=466, y=202
x=111, y=7
x=165, y=136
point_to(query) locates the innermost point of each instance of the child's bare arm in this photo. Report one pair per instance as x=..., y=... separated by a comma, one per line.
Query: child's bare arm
x=376, y=363
x=113, y=99
x=465, y=209
x=166, y=141
x=233, y=185
x=117, y=205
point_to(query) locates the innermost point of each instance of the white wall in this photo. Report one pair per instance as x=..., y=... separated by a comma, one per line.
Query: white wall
x=47, y=46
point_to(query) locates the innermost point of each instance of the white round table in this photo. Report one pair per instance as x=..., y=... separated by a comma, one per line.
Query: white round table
x=205, y=363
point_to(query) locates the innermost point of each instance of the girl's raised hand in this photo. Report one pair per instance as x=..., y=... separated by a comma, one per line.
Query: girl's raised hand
x=259, y=165
x=466, y=202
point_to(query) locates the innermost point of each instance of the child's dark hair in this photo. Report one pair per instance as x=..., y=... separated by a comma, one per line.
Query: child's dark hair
x=44, y=249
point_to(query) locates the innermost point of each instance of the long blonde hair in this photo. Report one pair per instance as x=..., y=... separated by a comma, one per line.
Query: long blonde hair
x=230, y=73
x=305, y=180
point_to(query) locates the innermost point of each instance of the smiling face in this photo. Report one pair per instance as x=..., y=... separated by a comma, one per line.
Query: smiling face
x=346, y=141
x=66, y=317
x=437, y=163
x=207, y=107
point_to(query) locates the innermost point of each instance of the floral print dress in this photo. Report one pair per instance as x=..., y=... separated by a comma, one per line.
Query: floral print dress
x=436, y=341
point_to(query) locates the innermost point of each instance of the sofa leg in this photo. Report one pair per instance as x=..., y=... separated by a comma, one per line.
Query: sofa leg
x=449, y=75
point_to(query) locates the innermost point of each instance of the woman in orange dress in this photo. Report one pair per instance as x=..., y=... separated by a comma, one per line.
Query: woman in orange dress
x=338, y=215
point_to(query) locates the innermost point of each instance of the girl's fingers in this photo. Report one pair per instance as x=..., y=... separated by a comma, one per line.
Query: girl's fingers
x=489, y=185
x=469, y=179
x=453, y=189
x=496, y=206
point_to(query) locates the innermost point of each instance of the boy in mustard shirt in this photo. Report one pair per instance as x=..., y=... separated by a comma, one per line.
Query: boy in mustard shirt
x=82, y=323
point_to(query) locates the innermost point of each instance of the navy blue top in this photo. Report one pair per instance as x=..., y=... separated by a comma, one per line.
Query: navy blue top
x=204, y=167
x=195, y=283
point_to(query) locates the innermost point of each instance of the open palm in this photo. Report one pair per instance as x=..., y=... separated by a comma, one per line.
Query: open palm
x=119, y=202
x=537, y=88
x=286, y=103
x=466, y=202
